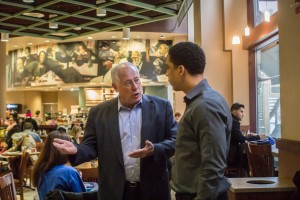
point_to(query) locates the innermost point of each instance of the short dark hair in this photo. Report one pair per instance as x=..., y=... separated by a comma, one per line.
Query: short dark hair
x=190, y=55
x=37, y=112
x=236, y=106
x=27, y=126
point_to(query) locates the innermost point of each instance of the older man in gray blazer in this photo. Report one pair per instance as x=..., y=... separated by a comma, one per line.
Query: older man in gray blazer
x=133, y=137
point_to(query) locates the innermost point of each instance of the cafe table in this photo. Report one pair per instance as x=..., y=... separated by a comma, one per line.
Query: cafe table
x=260, y=188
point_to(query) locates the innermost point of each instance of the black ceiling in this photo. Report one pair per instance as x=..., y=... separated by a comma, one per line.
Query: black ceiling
x=32, y=19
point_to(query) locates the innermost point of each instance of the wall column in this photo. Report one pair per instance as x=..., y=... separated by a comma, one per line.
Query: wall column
x=3, y=59
x=82, y=98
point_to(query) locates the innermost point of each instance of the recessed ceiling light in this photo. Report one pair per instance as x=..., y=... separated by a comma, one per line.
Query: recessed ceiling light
x=29, y=43
x=15, y=46
x=47, y=41
x=89, y=38
x=138, y=36
x=72, y=89
x=162, y=36
x=114, y=36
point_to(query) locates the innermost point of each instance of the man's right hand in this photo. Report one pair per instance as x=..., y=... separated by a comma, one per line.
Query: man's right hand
x=64, y=146
x=262, y=136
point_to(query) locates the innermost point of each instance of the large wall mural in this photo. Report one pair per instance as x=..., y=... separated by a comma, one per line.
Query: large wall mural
x=84, y=62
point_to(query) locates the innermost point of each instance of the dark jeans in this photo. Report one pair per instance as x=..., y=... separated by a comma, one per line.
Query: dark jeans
x=181, y=196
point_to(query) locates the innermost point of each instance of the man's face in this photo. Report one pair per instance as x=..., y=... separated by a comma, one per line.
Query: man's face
x=136, y=58
x=173, y=75
x=128, y=86
x=162, y=49
x=20, y=65
x=239, y=114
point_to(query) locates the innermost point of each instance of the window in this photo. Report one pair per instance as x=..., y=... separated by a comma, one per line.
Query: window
x=268, y=88
x=261, y=6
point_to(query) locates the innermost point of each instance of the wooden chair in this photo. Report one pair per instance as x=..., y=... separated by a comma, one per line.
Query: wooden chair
x=260, y=160
x=39, y=146
x=20, y=181
x=90, y=175
x=7, y=187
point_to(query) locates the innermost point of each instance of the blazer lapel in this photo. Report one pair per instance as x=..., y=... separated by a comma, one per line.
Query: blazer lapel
x=113, y=121
x=147, y=120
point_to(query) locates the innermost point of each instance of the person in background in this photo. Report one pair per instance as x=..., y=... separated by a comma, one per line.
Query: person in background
x=37, y=117
x=177, y=116
x=75, y=134
x=50, y=171
x=133, y=137
x=29, y=119
x=12, y=128
x=237, y=158
x=27, y=127
x=204, y=131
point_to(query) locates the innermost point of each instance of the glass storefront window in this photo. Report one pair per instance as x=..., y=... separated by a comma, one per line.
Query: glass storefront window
x=261, y=6
x=268, y=88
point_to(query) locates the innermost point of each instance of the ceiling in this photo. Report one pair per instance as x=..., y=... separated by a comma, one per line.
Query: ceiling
x=78, y=18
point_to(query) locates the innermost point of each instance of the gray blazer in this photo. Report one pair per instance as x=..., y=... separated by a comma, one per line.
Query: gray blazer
x=102, y=140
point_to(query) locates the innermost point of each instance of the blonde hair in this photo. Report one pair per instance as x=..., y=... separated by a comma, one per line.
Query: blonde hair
x=75, y=129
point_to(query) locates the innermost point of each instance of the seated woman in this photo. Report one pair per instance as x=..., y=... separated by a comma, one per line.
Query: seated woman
x=75, y=134
x=51, y=172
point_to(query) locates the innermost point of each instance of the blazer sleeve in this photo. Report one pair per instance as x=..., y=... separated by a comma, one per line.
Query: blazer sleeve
x=87, y=150
x=165, y=149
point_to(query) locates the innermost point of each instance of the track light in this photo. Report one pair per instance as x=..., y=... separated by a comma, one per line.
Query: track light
x=101, y=12
x=28, y=1
x=53, y=25
x=4, y=37
x=126, y=33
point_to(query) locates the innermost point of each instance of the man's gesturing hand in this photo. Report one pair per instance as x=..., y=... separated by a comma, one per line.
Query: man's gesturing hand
x=144, y=152
x=64, y=146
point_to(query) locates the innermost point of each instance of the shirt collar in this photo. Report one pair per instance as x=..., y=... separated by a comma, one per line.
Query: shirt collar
x=120, y=106
x=196, y=91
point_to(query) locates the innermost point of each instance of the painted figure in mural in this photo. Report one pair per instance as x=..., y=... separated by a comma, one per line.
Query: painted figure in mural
x=37, y=68
x=21, y=75
x=28, y=57
x=146, y=69
x=121, y=55
x=160, y=61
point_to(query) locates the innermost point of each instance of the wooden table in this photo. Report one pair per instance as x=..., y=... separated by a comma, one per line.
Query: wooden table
x=241, y=189
x=87, y=165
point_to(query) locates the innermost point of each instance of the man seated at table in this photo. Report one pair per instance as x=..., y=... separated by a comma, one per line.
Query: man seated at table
x=237, y=157
x=28, y=127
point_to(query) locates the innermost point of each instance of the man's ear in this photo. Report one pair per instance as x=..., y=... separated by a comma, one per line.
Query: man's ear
x=115, y=87
x=181, y=70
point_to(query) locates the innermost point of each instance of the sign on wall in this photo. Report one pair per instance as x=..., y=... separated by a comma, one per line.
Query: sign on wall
x=85, y=62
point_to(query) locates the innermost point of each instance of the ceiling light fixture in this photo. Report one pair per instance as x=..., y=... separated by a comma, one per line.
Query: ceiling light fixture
x=77, y=28
x=28, y=1
x=4, y=37
x=100, y=12
x=247, y=31
x=236, y=40
x=53, y=25
x=126, y=33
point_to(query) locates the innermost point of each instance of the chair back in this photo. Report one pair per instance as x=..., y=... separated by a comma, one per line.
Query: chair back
x=39, y=146
x=7, y=187
x=260, y=160
x=90, y=175
x=21, y=173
